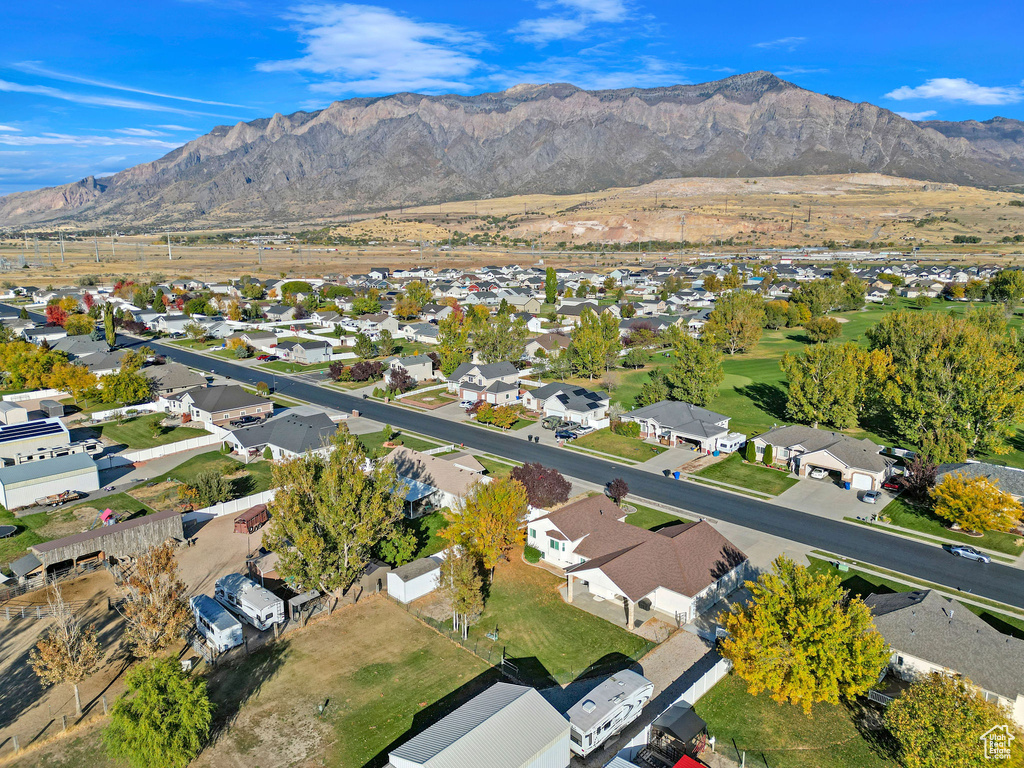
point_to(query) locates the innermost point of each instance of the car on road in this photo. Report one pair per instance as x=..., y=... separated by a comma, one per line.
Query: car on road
x=891, y=485
x=870, y=497
x=818, y=473
x=565, y=434
x=969, y=553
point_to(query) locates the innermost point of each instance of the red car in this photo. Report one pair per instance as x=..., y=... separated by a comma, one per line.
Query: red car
x=263, y=358
x=891, y=485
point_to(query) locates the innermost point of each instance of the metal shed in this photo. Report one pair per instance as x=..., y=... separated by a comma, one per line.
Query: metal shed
x=414, y=579
x=52, y=408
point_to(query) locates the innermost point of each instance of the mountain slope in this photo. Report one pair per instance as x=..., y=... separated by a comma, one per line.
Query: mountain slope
x=372, y=154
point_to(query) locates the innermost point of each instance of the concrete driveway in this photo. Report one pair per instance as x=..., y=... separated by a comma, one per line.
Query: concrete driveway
x=827, y=499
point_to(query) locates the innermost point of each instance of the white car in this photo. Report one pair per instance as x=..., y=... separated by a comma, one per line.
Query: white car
x=818, y=473
x=584, y=430
x=467, y=403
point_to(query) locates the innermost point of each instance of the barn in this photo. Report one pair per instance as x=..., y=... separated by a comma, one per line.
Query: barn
x=112, y=542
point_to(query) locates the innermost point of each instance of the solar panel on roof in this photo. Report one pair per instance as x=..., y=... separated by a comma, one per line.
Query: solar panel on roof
x=29, y=429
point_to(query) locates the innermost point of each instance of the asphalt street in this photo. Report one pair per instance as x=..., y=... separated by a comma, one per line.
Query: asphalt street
x=996, y=581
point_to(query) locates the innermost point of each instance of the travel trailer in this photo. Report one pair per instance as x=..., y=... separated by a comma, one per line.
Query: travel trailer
x=221, y=630
x=249, y=601
x=606, y=710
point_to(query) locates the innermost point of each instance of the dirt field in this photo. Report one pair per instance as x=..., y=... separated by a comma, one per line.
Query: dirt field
x=379, y=671
x=772, y=211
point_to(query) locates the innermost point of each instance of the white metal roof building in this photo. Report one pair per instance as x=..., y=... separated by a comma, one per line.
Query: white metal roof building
x=506, y=726
x=22, y=484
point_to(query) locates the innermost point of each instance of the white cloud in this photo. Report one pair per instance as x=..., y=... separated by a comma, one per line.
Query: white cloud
x=596, y=74
x=788, y=43
x=33, y=67
x=368, y=49
x=789, y=71
x=8, y=128
x=139, y=132
x=585, y=13
x=918, y=115
x=65, y=139
x=174, y=127
x=959, y=89
x=96, y=101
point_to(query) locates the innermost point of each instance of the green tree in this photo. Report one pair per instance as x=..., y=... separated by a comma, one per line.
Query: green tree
x=636, y=358
x=364, y=347
x=588, y=349
x=654, y=390
x=365, y=305
x=208, y=488
x=821, y=329
x=418, y=291
x=975, y=503
x=407, y=308
x=386, y=343
x=329, y=515
x=460, y=583
x=452, y=342
x=79, y=325
x=127, y=386
x=826, y=384
x=108, y=325
x=736, y=322
x=955, y=385
x=1008, y=285
x=938, y=722
x=163, y=718
x=503, y=339
x=487, y=522
x=803, y=639
x=769, y=455
x=695, y=373
x=195, y=331
x=750, y=453
x=550, y=286
x=399, y=548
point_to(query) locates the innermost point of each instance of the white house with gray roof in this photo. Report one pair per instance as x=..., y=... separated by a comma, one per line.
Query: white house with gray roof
x=506, y=726
x=679, y=423
x=1008, y=479
x=494, y=383
x=928, y=633
x=294, y=433
x=857, y=462
x=420, y=367
x=571, y=403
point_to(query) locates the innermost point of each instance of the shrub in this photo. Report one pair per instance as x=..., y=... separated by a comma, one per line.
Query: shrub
x=751, y=452
x=268, y=453
x=367, y=370
x=626, y=428
x=531, y=554
x=769, y=455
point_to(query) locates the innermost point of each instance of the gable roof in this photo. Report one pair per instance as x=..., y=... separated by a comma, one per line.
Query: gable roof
x=551, y=340
x=487, y=370
x=929, y=626
x=684, y=417
x=1009, y=479
x=572, y=397
x=292, y=432
x=859, y=454
x=173, y=375
x=432, y=471
x=224, y=398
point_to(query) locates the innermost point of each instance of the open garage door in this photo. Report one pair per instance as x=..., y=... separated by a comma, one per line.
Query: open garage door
x=861, y=481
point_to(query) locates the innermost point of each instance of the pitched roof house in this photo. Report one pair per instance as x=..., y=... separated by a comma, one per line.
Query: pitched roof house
x=219, y=405
x=858, y=462
x=678, y=571
x=291, y=434
x=571, y=402
x=681, y=423
x=429, y=482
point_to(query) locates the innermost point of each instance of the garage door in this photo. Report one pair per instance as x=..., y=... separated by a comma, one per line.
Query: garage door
x=861, y=481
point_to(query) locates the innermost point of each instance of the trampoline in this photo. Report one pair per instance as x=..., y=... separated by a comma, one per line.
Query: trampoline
x=7, y=531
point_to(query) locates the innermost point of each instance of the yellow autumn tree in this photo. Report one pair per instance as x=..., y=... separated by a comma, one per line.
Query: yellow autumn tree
x=802, y=638
x=487, y=523
x=975, y=503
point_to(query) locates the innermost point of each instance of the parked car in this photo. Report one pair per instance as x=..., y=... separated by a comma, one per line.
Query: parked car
x=584, y=430
x=870, y=497
x=818, y=473
x=467, y=403
x=263, y=358
x=891, y=485
x=551, y=422
x=970, y=553
x=565, y=434
x=244, y=421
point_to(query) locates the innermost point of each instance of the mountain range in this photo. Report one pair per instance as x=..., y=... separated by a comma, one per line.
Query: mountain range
x=372, y=154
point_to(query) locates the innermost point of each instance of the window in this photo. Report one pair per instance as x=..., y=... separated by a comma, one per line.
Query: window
x=533, y=533
x=552, y=544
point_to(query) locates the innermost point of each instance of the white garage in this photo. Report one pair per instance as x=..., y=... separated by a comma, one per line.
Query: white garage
x=22, y=484
x=414, y=580
x=861, y=482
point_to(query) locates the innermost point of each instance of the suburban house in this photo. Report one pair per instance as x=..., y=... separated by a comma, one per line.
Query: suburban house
x=291, y=434
x=550, y=343
x=279, y=313
x=219, y=405
x=424, y=333
x=47, y=333
x=102, y=363
x=676, y=572
x=928, y=633
x=305, y=351
x=521, y=303
x=495, y=383
x=673, y=422
x=420, y=367
x=171, y=378
x=327, y=318
x=1008, y=479
x=857, y=462
x=79, y=346
x=506, y=726
x=570, y=402
x=429, y=482
x=372, y=325
x=265, y=341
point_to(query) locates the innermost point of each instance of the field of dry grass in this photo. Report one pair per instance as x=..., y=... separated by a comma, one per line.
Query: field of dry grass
x=775, y=211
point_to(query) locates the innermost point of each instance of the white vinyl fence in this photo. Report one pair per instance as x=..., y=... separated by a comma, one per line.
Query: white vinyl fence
x=37, y=394
x=147, y=454
x=129, y=411
x=706, y=682
x=439, y=449
x=422, y=390
x=231, y=507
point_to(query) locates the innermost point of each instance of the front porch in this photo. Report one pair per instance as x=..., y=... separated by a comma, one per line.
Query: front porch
x=621, y=611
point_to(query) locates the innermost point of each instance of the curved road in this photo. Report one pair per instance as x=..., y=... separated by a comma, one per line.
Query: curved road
x=996, y=581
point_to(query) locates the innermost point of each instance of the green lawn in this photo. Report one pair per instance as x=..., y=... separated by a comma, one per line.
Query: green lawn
x=282, y=366
x=196, y=345
x=495, y=469
x=651, y=519
x=733, y=470
x=146, y=432
x=426, y=529
x=918, y=518
x=373, y=442
x=14, y=547
x=781, y=735
x=631, y=448
x=546, y=637
x=257, y=479
x=862, y=584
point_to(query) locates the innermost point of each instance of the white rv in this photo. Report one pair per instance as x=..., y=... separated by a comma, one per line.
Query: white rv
x=249, y=601
x=221, y=630
x=606, y=710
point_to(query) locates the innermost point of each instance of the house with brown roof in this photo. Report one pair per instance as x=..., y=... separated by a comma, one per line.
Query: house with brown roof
x=429, y=483
x=675, y=573
x=550, y=343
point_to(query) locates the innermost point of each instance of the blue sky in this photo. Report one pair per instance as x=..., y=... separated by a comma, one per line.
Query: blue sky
x=94, y=86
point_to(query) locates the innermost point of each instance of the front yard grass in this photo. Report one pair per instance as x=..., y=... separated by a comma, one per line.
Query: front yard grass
x=781, y=735
x=146, y=432
x=495, y=469
x=547, y=638
x=651, y=519
x=283, y=366
x=905, y=514
x=734, y=471
x=373, y=442
x=631, y=448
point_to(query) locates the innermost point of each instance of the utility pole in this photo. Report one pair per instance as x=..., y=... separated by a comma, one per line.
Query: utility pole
x=61, y=234
x=35, y=241
x=169, y=245
x=96, y=245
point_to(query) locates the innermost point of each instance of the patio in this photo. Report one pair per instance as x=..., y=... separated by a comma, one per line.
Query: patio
x=613, y=611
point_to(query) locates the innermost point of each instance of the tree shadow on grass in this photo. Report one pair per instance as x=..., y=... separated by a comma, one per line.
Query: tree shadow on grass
x=770, y=398
x=867, y=719
x=233, y=685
